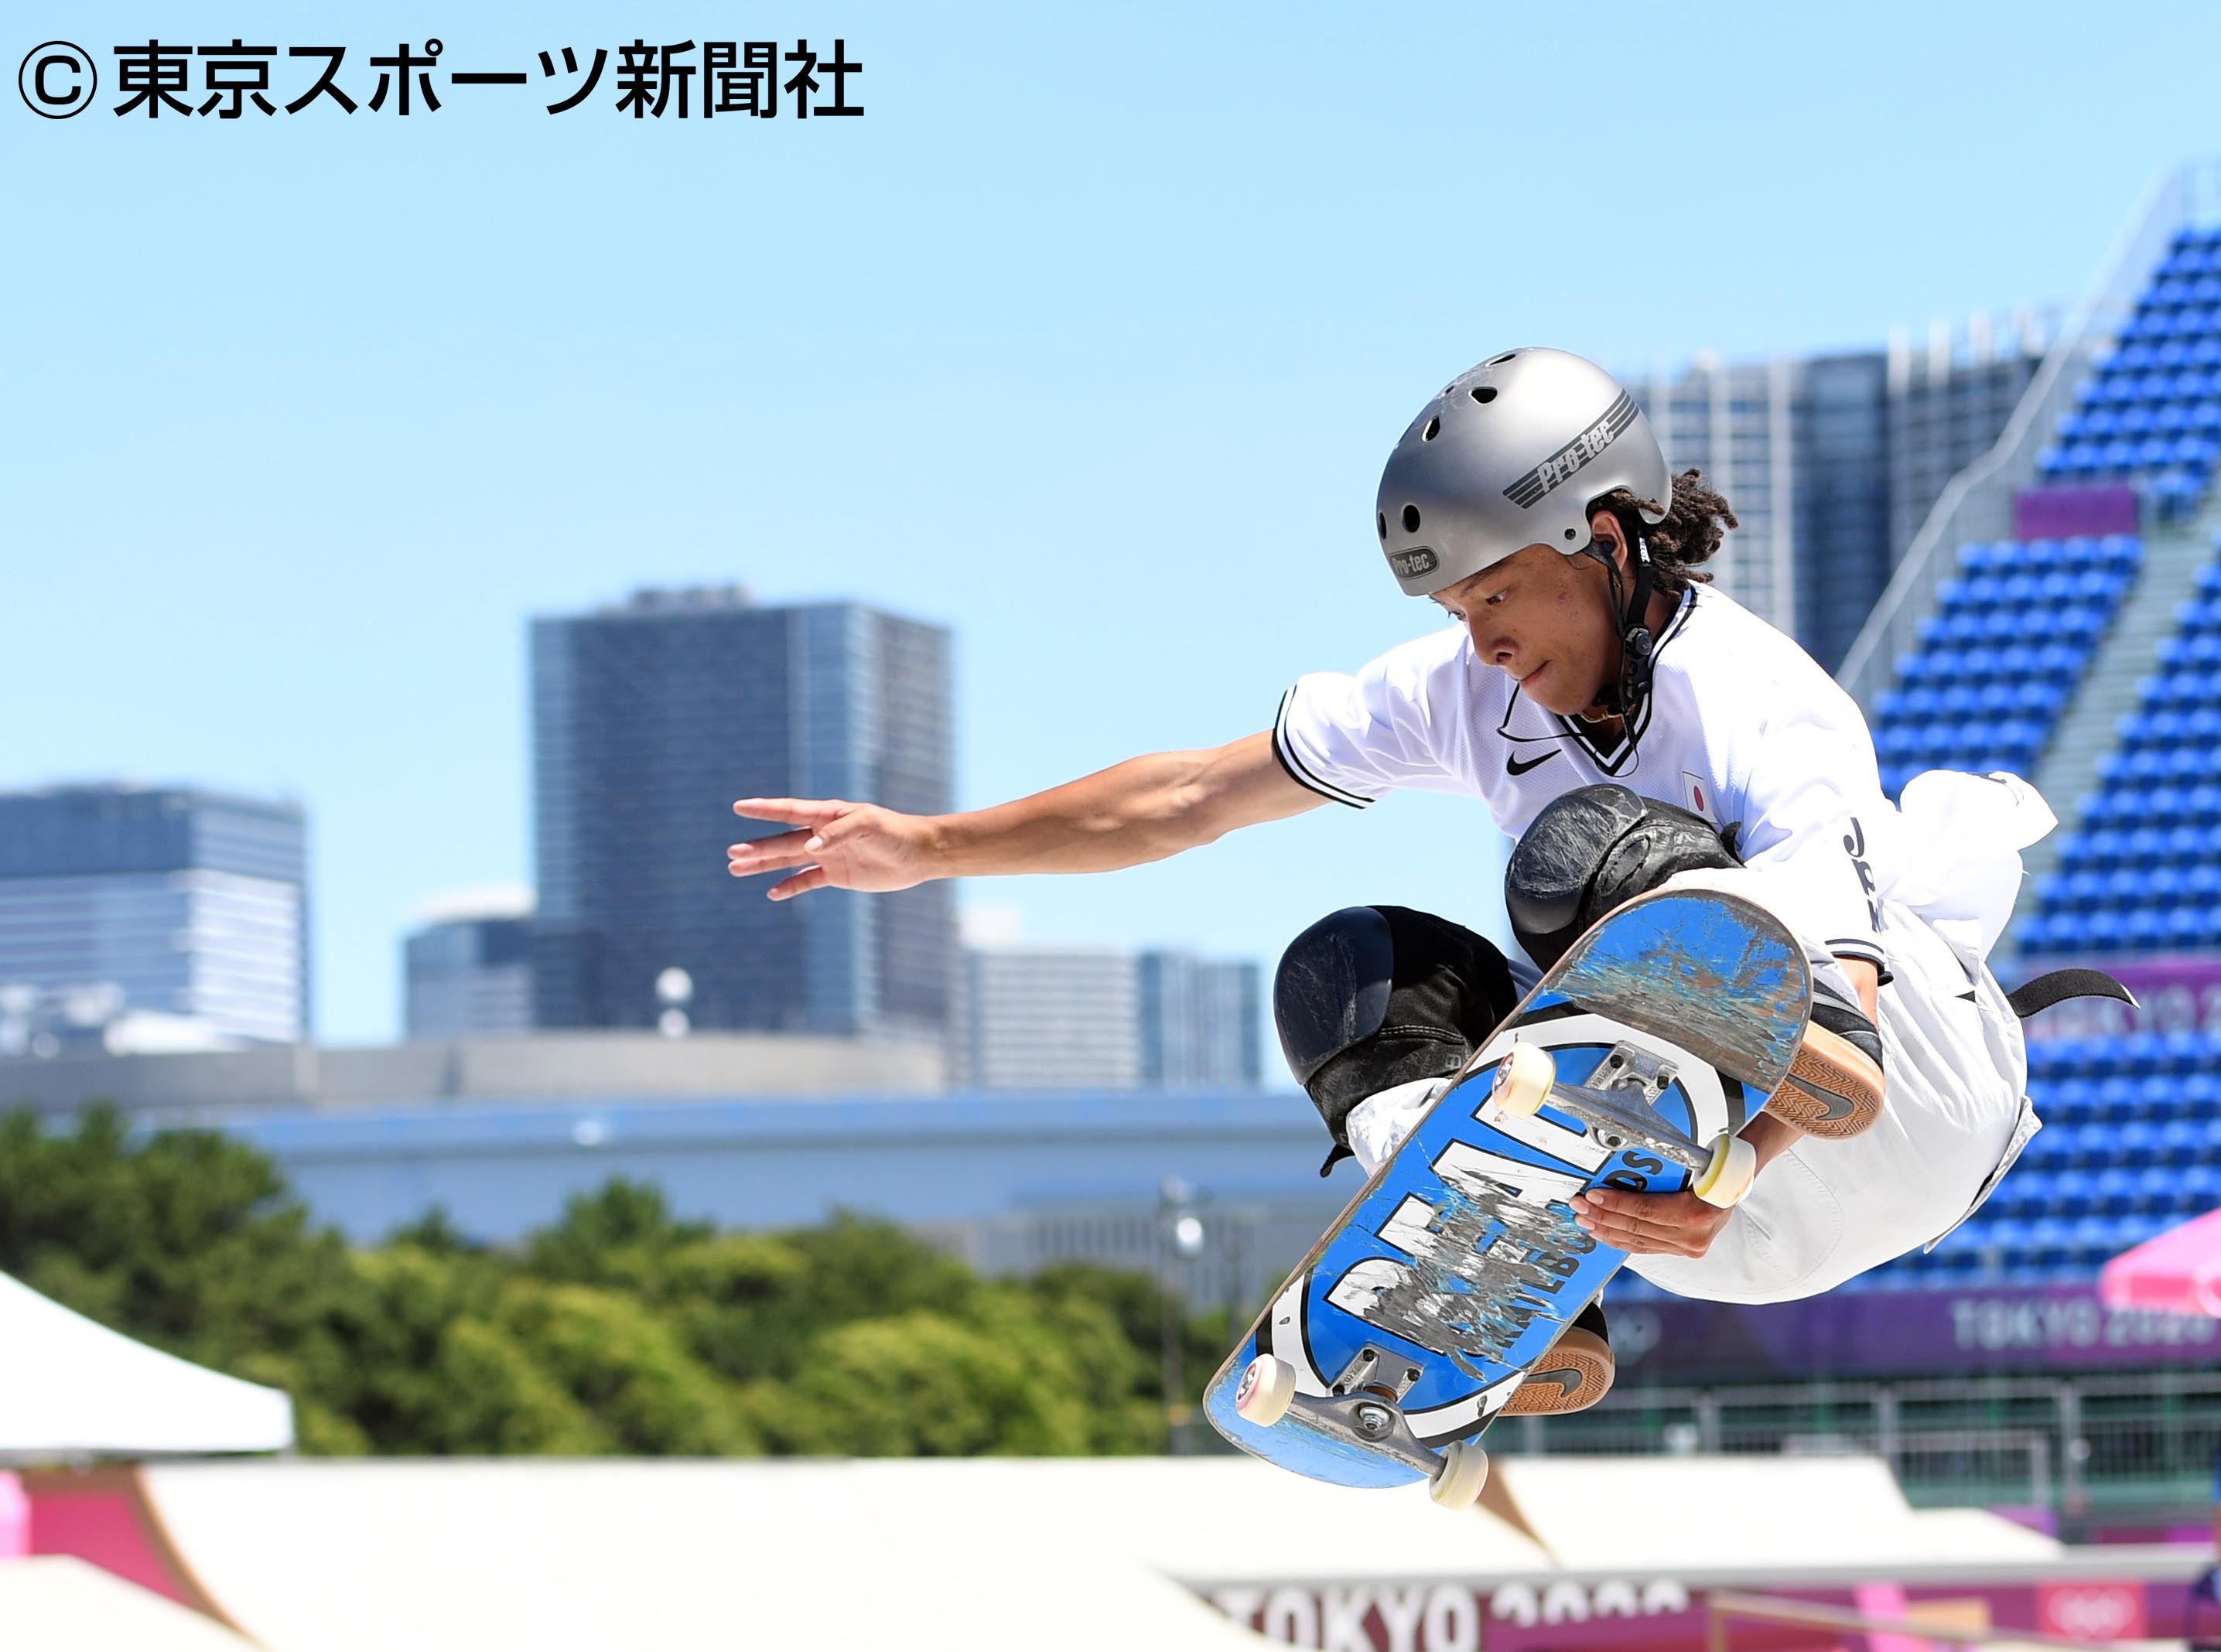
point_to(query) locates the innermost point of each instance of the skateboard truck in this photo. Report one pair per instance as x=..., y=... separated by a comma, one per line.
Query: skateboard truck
x=1367, y=1416
x=1527, y=1077
x=1371, y=1372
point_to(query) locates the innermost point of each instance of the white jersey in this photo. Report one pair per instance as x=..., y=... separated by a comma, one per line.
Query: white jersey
x=1744, y=729
x=1741, y=727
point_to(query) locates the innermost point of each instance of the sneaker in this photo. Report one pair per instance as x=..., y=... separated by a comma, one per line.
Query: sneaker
x=1573, y=1375
x=1835, y=1087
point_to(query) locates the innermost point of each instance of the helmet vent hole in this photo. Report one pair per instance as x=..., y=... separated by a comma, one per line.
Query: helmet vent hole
x=1570, y=533
x=1484, y=394
x=1434, y=429
x=1380, y=518
x=1410, y=519
x=1498, y=361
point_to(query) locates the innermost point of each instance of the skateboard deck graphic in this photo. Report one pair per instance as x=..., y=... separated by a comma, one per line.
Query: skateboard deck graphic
x=1413, y=1320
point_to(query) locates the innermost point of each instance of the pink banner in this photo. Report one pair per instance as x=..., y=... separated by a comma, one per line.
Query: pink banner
x=2069, y=513
x=14, y=1518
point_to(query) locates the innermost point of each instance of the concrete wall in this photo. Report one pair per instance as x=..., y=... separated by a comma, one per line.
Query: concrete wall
x=539, y=1066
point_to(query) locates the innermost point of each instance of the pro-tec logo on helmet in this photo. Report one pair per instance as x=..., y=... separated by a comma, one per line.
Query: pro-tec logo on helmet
x=1412, y=563
x=1538, y=482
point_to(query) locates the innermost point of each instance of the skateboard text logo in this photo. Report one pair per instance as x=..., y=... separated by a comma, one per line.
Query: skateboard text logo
x=1486, y=1260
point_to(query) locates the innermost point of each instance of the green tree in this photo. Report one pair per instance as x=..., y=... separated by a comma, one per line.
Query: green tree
x=618, y=1327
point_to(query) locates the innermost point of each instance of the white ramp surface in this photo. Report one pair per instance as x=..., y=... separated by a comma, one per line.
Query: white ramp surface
x=1209, y=1520
x=55, y=1604
x=617, y=1556
x=1669, y=1514
x=69, y=1387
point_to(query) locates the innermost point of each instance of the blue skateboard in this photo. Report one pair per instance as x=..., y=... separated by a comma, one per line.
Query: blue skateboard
x=1632, y=1064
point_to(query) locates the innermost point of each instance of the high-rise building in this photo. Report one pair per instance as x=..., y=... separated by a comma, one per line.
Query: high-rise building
x=1103, y=1018
x=170, y=902
x=1949, y=402
x=469, y=970
x=1199, y=1022
x=1845, y=543
x=1733, y=420
x=649, y=720
x=1051, y=1019
x=1831, y=462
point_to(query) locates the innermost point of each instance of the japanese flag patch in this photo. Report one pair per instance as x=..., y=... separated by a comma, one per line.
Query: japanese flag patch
x=1697, y=796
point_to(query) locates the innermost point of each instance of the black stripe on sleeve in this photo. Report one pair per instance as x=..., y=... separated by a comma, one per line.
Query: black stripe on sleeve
x=1285, y=751
x=1865, y=952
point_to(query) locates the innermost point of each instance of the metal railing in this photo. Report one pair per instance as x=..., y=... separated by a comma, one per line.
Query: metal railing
x=2078, y=1445
x=1978, y=502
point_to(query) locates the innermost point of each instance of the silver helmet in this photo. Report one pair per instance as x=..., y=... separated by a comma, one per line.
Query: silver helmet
x=1510, y=455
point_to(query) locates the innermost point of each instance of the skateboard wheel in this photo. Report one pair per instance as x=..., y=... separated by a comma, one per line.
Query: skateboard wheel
x=1457, y=1483
x=1522, y=1080
x=1728, y=1177
x=1268, y=1388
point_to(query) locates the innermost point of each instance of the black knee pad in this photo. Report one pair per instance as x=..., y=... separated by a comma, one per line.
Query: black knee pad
x=1592, y=850
x=1371, y=997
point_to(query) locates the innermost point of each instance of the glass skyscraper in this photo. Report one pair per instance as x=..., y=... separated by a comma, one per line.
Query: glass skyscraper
x=177, y=902
x=650, y=719
x=1199, y=1022
x=1042, y=1017
x=469, y=974
x=1831, y=462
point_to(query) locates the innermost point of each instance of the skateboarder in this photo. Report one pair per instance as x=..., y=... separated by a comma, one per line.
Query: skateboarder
x=1626, y=724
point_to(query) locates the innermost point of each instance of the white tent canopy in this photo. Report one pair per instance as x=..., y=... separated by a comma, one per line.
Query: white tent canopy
x=69, y=1387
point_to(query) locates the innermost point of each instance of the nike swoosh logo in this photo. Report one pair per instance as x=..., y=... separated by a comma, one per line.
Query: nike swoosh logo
x=1832, y=1106
x=1513, y=766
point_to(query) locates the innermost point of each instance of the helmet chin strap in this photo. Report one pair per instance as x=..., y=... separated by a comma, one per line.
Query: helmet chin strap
x=1635, y=641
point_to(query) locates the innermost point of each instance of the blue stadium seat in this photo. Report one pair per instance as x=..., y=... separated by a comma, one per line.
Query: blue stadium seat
x=2136, y=1144
x=2037, y=1158
x=2101, y=1144
x=2050, y=1242
x=2143, y=930
x=2201, y=1094
x=2180, y=1142
x=2112, y=1191
x=2113, y=1099
x=2180, y=1053
x=2155, y=1097
x=2200, y=1185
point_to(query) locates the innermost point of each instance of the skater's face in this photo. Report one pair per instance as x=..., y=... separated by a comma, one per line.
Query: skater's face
x=1545, y=621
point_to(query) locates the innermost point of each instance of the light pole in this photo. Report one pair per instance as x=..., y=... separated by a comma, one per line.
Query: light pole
x=674, y=990
x=1179, y=1239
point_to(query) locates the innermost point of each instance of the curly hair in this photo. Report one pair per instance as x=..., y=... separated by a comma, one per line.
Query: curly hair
x=1695, y=523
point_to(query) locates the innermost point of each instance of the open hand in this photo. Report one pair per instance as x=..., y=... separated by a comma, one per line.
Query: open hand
x=1642, y=1224
x=837, y=845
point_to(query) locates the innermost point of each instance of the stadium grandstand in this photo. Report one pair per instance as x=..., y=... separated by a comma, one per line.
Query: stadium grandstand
x=2059, y=617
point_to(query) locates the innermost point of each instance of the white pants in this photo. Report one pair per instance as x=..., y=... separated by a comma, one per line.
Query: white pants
x=1824, y=1212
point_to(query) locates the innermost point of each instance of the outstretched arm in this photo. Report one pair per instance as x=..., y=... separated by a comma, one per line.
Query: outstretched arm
x=1143, y=809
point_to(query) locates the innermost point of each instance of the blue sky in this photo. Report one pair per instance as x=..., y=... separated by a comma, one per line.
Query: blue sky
x=1087, y=340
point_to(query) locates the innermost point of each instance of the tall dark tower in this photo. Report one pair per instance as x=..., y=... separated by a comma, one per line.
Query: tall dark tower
x=649, y=720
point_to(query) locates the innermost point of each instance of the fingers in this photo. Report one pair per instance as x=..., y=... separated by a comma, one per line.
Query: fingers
x=769, y=854
x=1655, y=1224
x=800, y=883
x=794, y=811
